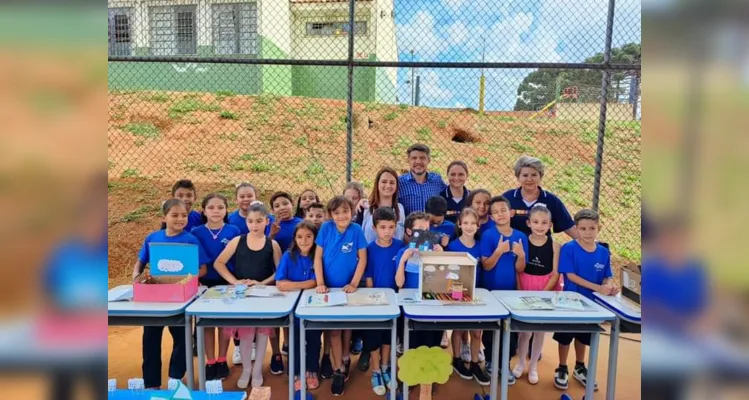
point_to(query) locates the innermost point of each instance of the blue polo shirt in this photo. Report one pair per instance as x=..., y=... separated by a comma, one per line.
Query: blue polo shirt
x=241, y=223
x=182, y=237
x=414, y=195
x=340, y=252
x=503, y=275
x=560, y=217
x=593, y=267
x=445, y=228
x=214, y=247
x=296, y=269
x=475, y=251
x=412, y=277
x=486, y=226
x=454, y=207
x=193, y=219
x=286, y=234
x=382, y=263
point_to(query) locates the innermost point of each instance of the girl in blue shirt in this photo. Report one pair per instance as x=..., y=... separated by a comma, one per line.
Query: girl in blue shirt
x=305, y=200
x=467, y=241
x=175, y=220
x=282, y=229
x=246, y=195
x=296, y=272
x=340, y=261
x=479, y=201
x=213, y=235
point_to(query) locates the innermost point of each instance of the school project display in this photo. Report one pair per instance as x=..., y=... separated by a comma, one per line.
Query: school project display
x=631, y=279
x=423, y=239
x=448, y=277
x=173, y=276
x=425, y=366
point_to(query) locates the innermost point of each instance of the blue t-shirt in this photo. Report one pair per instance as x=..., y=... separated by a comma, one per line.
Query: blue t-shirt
x=193, y=219
x=454, y=207
x=475, y=251
x=560, y=217
x=214, y=247
x=241, y=223
x=75, y=275
x=445, y=228
x=296, y=269
x=486, y=225
x=681, y=292
x=286, y=234
x=382, y=263
x=182, y=237
x=503, y=275
x=593, y=267
x=412, y=276
x=340, y=252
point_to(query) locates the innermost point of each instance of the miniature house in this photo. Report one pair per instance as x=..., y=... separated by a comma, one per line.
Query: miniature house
x=447, y=276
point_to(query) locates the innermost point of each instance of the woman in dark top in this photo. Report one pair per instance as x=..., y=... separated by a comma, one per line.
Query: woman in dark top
x=456, y=192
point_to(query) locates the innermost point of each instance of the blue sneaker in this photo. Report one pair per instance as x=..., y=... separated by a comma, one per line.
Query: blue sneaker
x=386, y=377
x=357, y=347
x=378, y=384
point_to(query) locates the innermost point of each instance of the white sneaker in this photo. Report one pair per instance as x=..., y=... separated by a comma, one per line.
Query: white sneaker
x=465, y=352
x=236, y=357
x=257, y=380
x=244, y=379
x=399, y=348
x=518, y=370
x=533, y=376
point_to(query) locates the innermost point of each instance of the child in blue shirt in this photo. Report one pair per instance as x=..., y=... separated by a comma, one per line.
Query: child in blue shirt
x=478, y=200
x=175, y=220
x=380, y=273
x=296, y=272
x=467, y=241
x=586, y=266
x=436, y=207
x=282, y=229
x=214, y=235
x=503, y=251
x=185, y=190
x=305, y=200
x=456, y=192
x=246, y=195
x=340, y=261
x=315, y=214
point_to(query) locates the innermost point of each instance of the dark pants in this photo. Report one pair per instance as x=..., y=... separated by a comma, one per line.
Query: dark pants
x=65, y=382
x=312, y=353
x=373, y=340
x=486, y=338
x=152, y=354
x=424, y=338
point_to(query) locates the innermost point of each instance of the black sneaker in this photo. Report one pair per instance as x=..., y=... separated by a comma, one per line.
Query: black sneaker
x=339, y=384
x=222, y=370
x=285, y=349
x=561, y=377
x=480, y=375
x=326, y=368
x=347, y=368
x=363, y=363
x=276, y=364
x=210, y=372
x=460, y=368
x=357, y=347
x=581, y=375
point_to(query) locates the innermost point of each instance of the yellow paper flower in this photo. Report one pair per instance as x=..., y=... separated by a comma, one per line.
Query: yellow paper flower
x=425, y=365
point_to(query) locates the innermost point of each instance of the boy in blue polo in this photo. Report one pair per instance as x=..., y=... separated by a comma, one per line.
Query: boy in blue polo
x=503, y=251
x=340, y=261
x=436, y=207
x=185, y=190
x=586, y=266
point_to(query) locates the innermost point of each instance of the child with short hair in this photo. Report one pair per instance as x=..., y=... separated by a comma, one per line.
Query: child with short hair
x=436, y=207
x=306, y=198
x=586, y=266
x=174, y=222
x=340, y=261
x=246, y=195
x=380, y=273
x=296, y=272
x=255, y=259
x=185, y=190
x=456, y=192
x=468, y=242
x=540, y=273
x=214, y=235
x=479, y=200
x=315, y=213
x=503, y=252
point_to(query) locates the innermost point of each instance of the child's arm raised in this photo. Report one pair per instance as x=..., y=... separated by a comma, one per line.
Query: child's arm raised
x=220, y=264
x=400, y=273
x=361, y=265
x=321, y=288
x=554, y=278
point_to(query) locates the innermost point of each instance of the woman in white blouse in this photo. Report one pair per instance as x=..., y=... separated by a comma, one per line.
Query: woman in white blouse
x=384, y=194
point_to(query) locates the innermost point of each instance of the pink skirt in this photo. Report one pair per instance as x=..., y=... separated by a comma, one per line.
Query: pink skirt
x=537, y=282
x=229, y=332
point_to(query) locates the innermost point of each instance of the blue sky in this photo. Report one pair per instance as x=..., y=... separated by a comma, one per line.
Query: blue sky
x=515, y=31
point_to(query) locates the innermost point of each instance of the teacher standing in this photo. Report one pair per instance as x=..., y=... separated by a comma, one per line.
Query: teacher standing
x=418, y=184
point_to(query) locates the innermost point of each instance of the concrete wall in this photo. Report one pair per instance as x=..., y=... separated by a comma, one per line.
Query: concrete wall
x=591, y=111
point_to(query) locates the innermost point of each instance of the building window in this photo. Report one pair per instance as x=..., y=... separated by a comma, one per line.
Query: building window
x=120, y=38
x=335, y=28
x=172, y=30
x=235, y=28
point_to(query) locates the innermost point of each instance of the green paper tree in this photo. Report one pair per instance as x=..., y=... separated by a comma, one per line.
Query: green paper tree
x=425, y=366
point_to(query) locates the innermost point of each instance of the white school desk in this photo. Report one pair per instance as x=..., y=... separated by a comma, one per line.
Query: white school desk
x=272, y=312
x=554, y=321
x=486, y=316
x=628, y=320
x=130, y=313
x=350, y=317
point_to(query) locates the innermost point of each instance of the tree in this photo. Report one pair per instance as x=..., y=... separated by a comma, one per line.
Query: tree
x=540, y=87
x=424, y=366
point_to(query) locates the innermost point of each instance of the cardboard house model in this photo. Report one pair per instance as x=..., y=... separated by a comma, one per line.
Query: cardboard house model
x=447, y=276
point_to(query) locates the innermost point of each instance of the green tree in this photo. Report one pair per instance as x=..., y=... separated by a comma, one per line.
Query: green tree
x=539, y=88
x=425, y=366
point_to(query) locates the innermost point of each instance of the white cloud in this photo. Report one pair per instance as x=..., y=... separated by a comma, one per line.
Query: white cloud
x=432, y=90
x=453, y=5
x=169, y=265
x=420, y=35
x=457, y=33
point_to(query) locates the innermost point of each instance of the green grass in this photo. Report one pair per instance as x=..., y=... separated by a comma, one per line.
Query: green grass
x=260, y=166
x=232, y=137
x=548, y=161
x=246, y=157
x=403, y=106
x=372, y=106
x=237, y=166
x=441, y=124
x=505, y=118
x=288, y=125
x=222, y=94
x=588, y=170
x=189, y=105
x=401, y=146
x=226, y=114
x=482, y=160
x=138, y=214
x=266, y=99
x=390, y=116
x=424, y=134
x=139, y=142
x=589, y=136
x=522, y=148
x=301, y=141
x=143, y=129
x=158, y=98
x=111, y=164
x=437, y=154
x=314, y=169
x=215, y=168
x=130, y=173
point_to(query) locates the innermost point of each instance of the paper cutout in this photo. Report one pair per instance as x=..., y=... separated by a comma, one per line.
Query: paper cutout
x=136, y=384
x=442, y=267
x=169, y=265
x=173, y=384
x=182, y=392
x=452, y=276
x=214, y=387
x=425, y=366
x=454, y=267
x=112, y=385
x=430, y=268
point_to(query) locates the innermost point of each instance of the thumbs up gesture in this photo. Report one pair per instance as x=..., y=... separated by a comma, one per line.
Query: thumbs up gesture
x=503, y=246
x=517, y=248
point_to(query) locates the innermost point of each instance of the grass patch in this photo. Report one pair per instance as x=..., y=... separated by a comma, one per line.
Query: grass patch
x=589, y=170
x=246, y=157
x=190, y=104
x=372, y=106
x=589, y=136
x=272, y=137
x=521, y=148
x=232, y=137
x=401, y=146
x=266, y=99
x=505, y=118
x=143, y=129
x=548, y=161
x=138, y=214
x=314, y=169
x=568, y=185
x=301, y=141
x=110, y=164
x=288, y=125
x=482, y=160
x=437, y=154
x=403, y=106
x=237, y=166
x=139, y=143
x=556, y=132
x=260, y=166
x=130, y=173
x=215, y=168
x=390, y=116
x=158, y=98
x=441, y=124
x=424, y=134
x=226, y=114
x=222, y=94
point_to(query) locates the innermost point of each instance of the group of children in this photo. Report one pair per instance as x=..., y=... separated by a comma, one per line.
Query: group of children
x=323, y=247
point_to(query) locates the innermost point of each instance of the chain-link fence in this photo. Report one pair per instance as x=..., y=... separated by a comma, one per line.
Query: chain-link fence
x=299, y=94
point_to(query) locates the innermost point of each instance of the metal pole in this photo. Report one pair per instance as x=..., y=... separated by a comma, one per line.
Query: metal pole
x=605, y=81
x=417, y=96
x=350, y=97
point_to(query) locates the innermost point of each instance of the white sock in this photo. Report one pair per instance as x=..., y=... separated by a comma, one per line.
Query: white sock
x=537, y=348
x=257, y=370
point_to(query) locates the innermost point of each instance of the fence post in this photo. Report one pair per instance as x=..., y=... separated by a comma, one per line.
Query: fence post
x=605, y=82
x=350, y=96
